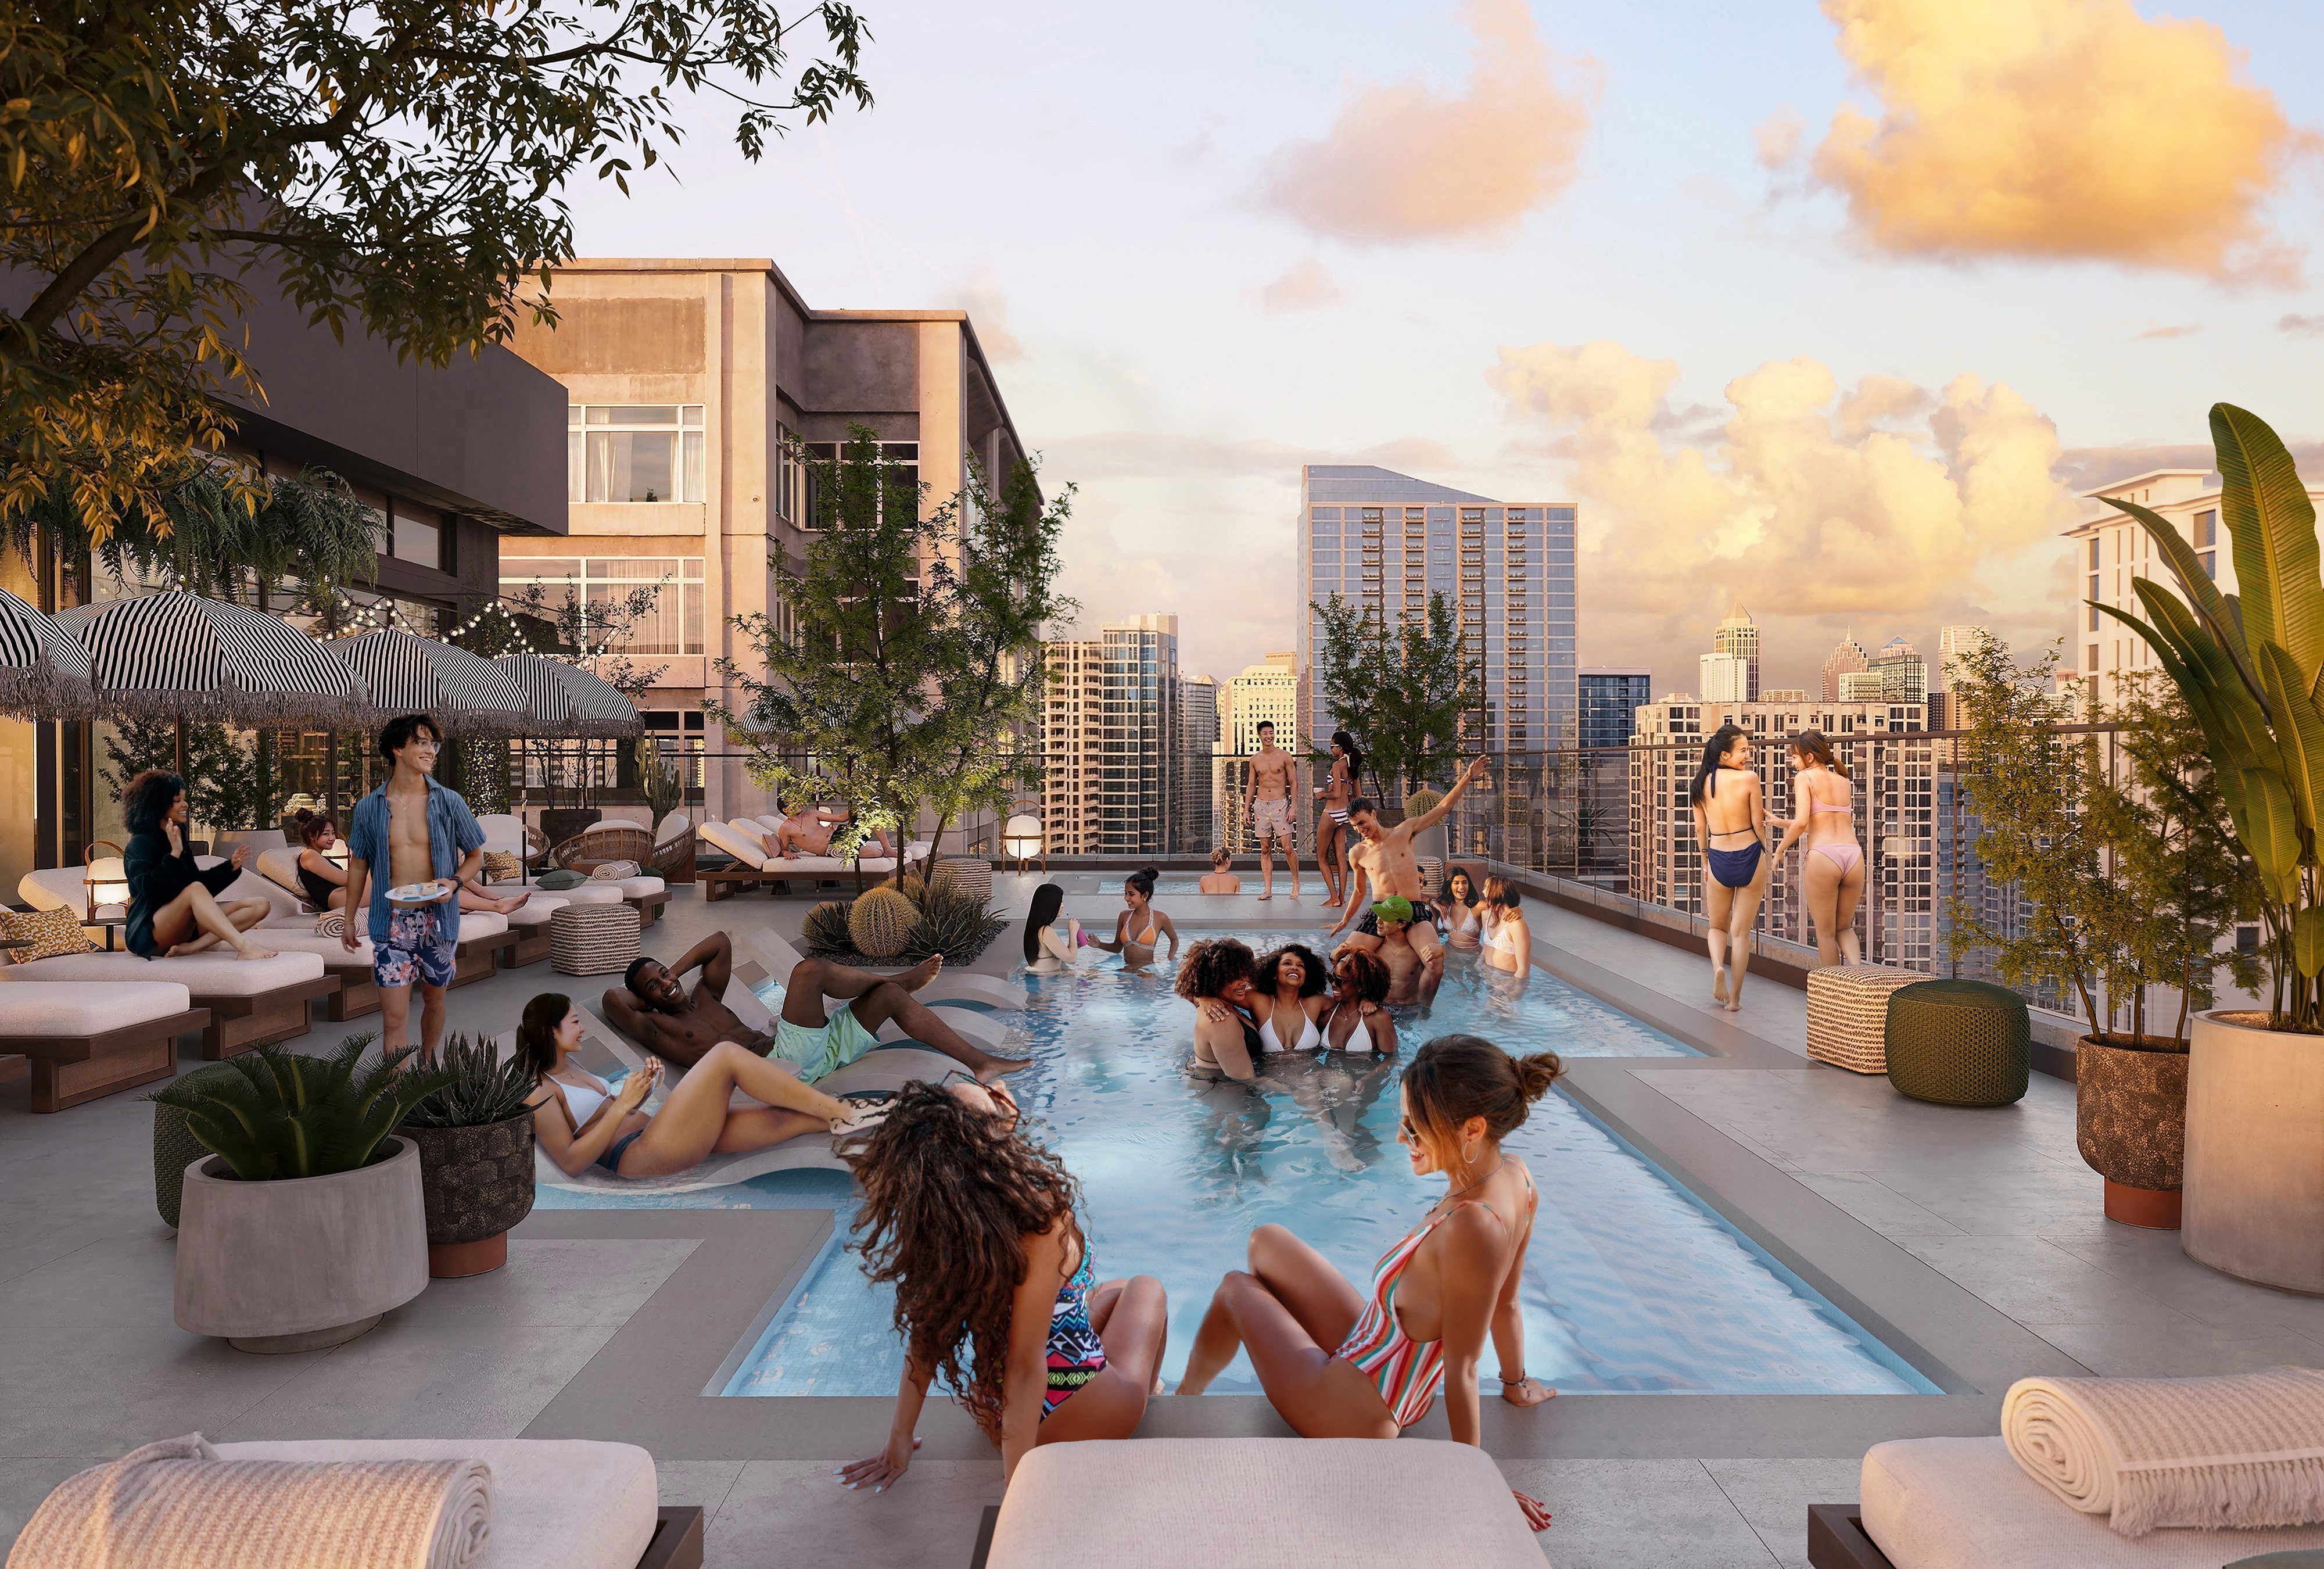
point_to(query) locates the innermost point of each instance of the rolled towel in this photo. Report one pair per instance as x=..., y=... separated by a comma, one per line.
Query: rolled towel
x=176, y=1505
x=2241, y=1452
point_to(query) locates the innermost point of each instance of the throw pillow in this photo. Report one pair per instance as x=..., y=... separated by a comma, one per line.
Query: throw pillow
x=613, y=871
x=50, y=931
x=502, y=866
x=559, y=879
x=334, y=924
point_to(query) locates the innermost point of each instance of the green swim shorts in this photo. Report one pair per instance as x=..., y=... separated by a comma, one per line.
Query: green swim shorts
x=817, y=1051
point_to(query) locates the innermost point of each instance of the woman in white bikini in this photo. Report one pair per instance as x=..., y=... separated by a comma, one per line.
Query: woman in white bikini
x=1358, y=1020
x=1730, y=823
x=1457, y=911
x=1511, y=945
x=1139, y=929
x=1288, y=995
x=1332, y=830
x=1832, y=872
x=581, y=1121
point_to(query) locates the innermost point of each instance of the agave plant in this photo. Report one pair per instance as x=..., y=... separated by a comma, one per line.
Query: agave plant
x=2252, y=668
x=289, y=1116
x=953, y=922
x=486, y=1088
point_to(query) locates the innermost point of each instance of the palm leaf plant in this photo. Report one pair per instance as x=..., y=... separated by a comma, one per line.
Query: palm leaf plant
x=283, y=1115
x=2251, y=668
x=485, y=1087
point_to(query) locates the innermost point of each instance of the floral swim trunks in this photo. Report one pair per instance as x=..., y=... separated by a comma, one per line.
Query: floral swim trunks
x=414, y=951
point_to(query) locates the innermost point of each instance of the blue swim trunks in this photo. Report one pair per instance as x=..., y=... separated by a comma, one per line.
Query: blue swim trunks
x=415, y=951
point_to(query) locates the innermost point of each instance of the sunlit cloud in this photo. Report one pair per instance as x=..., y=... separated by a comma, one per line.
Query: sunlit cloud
x=1307, y=286
x=1885, y=504
x=988, y=311
x=1778, y=136
x=2187, y=330
x=1408, y=161
x=2304, y=326
x=2058, y=129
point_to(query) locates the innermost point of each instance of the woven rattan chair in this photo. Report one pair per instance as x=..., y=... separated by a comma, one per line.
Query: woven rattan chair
x=594, y=846
x=1848, y=1014
x=673, y=859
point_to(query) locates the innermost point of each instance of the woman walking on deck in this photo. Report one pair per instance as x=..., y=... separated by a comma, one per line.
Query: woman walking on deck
x=1730, y=823
x=1831, y=870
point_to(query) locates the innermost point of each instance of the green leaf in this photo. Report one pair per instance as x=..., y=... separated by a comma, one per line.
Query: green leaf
x=2196, y=584
x=2267, y=510
x=2299, y=737
x=2308, y=940
x=2271, y=833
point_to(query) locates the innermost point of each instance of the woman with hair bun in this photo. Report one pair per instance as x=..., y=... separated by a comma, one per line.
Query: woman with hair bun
x=1336, y=1363
x=1139, y=929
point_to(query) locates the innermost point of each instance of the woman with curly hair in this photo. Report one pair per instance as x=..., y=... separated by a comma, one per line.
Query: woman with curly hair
x=1288, y=995
x=1215, y=976
x=974, y=1224
x=1339, y=1363
x=174, y=908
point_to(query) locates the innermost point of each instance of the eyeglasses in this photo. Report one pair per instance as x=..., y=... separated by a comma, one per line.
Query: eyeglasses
x=1411, y=1134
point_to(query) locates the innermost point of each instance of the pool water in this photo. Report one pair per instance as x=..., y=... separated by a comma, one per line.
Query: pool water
x=1164, y=888
x=1630, y=1284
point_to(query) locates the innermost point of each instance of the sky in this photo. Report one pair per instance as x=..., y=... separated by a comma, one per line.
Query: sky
x=1830, y=309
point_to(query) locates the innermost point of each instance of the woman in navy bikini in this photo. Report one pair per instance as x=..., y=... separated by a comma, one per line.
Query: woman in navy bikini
x=974, y=1224
x=1730, y=822
x=1832, y=872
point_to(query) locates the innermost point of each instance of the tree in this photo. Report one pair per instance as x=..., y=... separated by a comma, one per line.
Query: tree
x=225, y=789
x=397, y=165
x=1403, y=692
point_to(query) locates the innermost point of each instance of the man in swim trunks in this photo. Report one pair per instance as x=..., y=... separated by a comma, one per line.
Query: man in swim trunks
x=1266, y=806
x=1383, y=866
x=652, y=1007
x=1392, y=923
x=807, y=831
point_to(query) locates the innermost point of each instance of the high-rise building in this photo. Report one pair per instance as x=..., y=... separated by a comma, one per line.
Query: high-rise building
x=1848, y=657
x=1073, y=746
x=1723, y=678
x=1952, y=643
x=1739, y=635
x=1110, y=739
x=1860, y=687
x=1610, y=704
x=1265, y=693
x=1386, y=542
x=1198, y=737
x=1904, y=674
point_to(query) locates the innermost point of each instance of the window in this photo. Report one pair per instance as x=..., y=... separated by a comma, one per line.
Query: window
x=2206, y=529
x=2093, y=618
x=418, y=535
x=2094, y=554
x=2094, y=657
x=900, y=460
x=2210, y=560
x=634, y=452
x=674, y=626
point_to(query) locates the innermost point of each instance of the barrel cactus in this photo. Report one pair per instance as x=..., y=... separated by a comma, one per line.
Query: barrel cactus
x=881, y=923
x=1423, y=799
x=826, y=930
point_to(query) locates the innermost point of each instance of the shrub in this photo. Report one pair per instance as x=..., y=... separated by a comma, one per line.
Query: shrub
x=881, y=923
x=953, y=922
x=484, y=1088
x=281, y=1115
x=825, y=933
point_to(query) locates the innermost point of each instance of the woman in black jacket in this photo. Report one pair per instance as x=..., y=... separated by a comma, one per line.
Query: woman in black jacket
x=173, y=908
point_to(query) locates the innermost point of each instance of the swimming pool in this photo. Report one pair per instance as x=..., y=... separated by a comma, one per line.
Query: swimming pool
x=1631, y=1284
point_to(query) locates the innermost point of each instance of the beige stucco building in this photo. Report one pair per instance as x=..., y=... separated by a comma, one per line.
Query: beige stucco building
x=684, y=379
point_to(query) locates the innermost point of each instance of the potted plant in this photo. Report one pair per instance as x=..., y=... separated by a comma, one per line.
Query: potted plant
x=2124, y=880
x=475, y=1138
x=305, y=1225
x=2247, y=668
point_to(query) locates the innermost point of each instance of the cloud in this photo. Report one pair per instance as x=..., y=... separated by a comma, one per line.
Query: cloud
x=2306, y=326
x=1778, y=136
x=2157, y=332
x=1406, y=161
x=1883, y=504
x=2058, y=130
x=988, y=311
x=1307, y=286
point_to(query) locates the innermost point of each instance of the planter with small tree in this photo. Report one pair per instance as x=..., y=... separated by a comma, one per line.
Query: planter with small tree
x=475, y=1138
x=306, y=1224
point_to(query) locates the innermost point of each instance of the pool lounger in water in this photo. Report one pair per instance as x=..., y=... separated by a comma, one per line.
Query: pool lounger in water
x=971, y=1026
x=949, y=986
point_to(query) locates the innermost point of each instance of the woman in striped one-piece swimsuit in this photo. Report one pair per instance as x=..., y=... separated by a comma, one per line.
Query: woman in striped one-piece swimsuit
x=1338, y=1364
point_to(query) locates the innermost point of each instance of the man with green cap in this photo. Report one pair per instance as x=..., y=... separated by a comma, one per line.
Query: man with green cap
x=1409, y=979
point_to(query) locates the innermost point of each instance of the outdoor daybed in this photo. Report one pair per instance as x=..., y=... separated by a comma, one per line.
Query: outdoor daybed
x=744, y=841
x=251, y=1001
x=1257, y=1503
x=556, y=1503
x=88, y=1041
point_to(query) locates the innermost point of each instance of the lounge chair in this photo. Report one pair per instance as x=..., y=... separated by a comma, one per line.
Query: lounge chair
x=1258, y=1503
x=950, y=986
x=85, y=1041
x=739, y=845
x=971, y=1026
x=505, y=834
x=607, y=841
x=530, y=922
x=252, y=1002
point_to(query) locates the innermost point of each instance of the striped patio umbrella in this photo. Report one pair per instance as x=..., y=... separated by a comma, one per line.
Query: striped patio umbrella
x=179, y=656
x=407, y=674
x=43, y=671
x=569, y=702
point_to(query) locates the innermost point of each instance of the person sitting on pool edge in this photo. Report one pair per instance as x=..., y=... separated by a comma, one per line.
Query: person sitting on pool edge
x=651, y=1007
x=1392, y=925
x=1221, y=878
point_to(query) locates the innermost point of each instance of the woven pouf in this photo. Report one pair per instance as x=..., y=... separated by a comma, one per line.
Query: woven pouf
x=592, y=939
x=974, y=878
x=174, y=1148
x=1960, y=1043
x=1848, y=1014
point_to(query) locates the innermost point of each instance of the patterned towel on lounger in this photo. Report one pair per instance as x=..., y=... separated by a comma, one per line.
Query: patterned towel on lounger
x=176, y=1505
x=2241, y=1452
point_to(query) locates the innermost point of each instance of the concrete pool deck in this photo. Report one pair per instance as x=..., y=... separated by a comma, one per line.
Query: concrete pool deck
x=1971, y=1241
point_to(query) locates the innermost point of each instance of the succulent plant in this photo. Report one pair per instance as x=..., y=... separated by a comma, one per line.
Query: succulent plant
x=881, y=923
x=486, y=1088
x=953, y=922
x=1423, y=799
x=825, y=932
x=281, y=1115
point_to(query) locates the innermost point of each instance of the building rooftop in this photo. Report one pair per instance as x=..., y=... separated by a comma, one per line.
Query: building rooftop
x=1362, y=482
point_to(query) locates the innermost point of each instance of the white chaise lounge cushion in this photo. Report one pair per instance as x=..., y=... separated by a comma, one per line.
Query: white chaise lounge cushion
x=1963, y=1503
x=586, y=893
x=58, y=888
x=671, y=828
x=279, y=867
x=645, y=885
x=744, y=845
x=558, y=1503
x=43, y=1008
x=328, y=949
x=1260, y=1503
x=534, y=911
x=481, y=923
x=203, y=975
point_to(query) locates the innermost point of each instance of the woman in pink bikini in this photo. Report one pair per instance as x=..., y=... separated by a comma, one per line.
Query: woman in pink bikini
x=1832, y=872
x=1337, y=1364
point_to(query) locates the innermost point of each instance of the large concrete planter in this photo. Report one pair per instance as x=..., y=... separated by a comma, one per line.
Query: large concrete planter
x=476, y=1182
x=303, y=1264
x=2255, y=1186
x=2130, y=1123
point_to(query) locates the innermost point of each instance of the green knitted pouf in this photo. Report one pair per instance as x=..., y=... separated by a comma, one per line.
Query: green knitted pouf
x=174, y=1149
x=1958, y=1043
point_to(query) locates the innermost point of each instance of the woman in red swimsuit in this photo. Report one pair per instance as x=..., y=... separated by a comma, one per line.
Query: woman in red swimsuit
x=1338, y=1364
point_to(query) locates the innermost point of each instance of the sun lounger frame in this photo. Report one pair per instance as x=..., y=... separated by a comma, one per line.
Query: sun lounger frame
x=144, y=1052
x=1835, y=1540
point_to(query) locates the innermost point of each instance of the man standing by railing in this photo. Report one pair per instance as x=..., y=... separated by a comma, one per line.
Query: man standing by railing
x=1386, y=868
x=1266, y=803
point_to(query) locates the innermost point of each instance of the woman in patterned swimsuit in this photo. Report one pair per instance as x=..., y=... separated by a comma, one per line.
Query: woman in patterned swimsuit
x=974, y=1226
x=1338, y=1364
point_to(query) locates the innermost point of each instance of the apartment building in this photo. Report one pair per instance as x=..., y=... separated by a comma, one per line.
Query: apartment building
x=1073, y=750
x=686, y=381
x=1198, y=795
x=1110, y=742
x=1609, y=701
x=1723, y=678
x=1844, y=661
x=1265, y=693
x=1885, y=746
x=1739, y=635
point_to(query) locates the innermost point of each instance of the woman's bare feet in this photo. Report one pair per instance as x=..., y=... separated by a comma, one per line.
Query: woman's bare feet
x=1718, y=986
x=252, y=951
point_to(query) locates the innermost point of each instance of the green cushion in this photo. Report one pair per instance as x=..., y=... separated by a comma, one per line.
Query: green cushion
x=2312, y=1559
x=174, y=1148
x=551, y=882
x=1960, y=1043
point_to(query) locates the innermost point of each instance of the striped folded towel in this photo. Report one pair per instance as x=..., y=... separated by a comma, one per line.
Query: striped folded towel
x=2240, y=1452
x=613, y=871
x=332, y=924
x=176, y=1505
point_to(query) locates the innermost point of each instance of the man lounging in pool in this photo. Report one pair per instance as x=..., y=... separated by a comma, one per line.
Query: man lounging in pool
x=652, y=1007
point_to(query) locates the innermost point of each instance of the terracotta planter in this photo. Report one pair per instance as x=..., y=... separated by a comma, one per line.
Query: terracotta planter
x=301, y=1264
x=476, y=1184
x=2255, y=1186
x=2130, y=1123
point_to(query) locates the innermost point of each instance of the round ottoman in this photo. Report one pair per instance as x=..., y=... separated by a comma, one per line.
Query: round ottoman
x=592, y=939
x=1960, y=1043
x=174, y=1148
